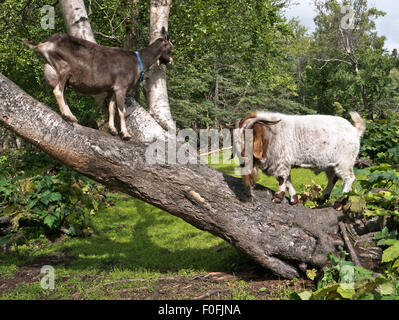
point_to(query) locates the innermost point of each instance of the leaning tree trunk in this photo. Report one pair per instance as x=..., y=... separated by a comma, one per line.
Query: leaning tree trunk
x=155, y=84
x=282, y=238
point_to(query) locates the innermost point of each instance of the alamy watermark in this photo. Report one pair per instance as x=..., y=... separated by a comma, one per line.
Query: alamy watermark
x=348, y=20
x=48, y=280
x=48, y=17
x=189, y=147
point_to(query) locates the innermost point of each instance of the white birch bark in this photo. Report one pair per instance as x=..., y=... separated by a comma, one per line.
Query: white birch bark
x=76, y=19
x=155, y=84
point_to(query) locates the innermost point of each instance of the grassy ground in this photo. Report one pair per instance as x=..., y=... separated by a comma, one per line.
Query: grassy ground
x=140, y=252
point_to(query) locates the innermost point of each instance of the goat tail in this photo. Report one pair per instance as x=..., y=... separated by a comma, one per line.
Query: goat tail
x=30, y=44
x=360, y=124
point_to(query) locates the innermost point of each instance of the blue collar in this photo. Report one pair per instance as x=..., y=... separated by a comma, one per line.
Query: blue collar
x=141, y=66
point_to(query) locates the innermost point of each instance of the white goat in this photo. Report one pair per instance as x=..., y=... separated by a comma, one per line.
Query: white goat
x=318, y=142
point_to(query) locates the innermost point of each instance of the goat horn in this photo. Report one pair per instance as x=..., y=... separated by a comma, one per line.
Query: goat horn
x=248, y=124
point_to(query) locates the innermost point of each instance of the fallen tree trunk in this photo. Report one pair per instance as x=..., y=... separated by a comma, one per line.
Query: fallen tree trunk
x=282, y=238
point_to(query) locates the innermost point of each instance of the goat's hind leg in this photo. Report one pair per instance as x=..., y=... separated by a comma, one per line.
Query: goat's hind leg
x=348, y=180
x=65, y=111
x=59, y=92
x=332, y=180
x=111, y=111
x=57, y=80
x=51, y=75
x=294, y=199
x=120, y=101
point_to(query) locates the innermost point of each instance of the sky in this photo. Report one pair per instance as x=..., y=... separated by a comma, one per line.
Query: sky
x=387, y=25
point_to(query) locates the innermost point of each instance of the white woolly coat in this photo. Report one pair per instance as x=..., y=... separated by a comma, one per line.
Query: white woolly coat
x=318, y=142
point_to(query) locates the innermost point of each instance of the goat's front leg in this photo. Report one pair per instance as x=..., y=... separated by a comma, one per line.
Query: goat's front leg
x=280, y=194
x=291, y=190
x=111, y=121
x=120, y=101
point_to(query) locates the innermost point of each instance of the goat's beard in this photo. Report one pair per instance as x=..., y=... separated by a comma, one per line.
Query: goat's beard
x=164, y=62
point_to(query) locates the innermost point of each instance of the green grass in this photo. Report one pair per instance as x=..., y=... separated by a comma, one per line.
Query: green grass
x=299, y=177
x=132, y=240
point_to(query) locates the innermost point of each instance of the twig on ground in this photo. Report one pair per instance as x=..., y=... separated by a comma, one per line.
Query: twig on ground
x=211, y=293
x=352, y=252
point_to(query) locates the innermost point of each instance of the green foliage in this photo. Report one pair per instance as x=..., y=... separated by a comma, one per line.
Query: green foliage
x=229, y=61
x=390, y=255
x=381, y=140
x=348, y=68
x=42, y=205
x=18, y=162
x=343, y=281
x=380, y=190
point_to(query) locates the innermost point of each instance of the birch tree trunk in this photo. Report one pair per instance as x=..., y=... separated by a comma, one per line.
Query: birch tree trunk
x=76, y=19
x=155, y=84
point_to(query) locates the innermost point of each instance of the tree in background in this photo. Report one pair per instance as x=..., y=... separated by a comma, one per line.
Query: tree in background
x=348, y=66
x=230, y=57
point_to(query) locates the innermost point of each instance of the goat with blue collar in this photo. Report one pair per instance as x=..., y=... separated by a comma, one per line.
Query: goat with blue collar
x=91, y=69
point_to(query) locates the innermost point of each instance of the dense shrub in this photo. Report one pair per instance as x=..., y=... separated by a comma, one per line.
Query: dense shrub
x=381, y=140
x=47, y=204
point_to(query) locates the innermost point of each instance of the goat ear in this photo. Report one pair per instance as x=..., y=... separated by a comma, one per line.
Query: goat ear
x=260, y=144
x=164, y=33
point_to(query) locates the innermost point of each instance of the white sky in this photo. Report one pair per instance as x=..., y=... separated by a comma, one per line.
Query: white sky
x=387, y=25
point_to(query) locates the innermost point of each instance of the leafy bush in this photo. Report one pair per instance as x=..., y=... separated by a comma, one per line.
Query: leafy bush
x=390, y=256
x=381, y=140
x=19, y=162
x=374, y=193
x=46, y=204
x=344, y=280
x=380, y=191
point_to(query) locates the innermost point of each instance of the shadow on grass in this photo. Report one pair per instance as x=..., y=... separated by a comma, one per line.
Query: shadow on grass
x=135, y=236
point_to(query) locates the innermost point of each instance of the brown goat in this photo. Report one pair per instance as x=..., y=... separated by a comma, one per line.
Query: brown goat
x=91, y=69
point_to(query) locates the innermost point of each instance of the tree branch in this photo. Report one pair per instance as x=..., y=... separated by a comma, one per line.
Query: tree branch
x=113, y=38
x=326, y=61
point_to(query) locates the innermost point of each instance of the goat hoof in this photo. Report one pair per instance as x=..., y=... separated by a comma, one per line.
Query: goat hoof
x=278, y=197
x=277, y=200
x=126, y=138
x=113, y=132
x=295, y=200
x=70, y=119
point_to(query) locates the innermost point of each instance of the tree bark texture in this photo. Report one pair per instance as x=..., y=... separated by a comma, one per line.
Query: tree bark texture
x=155, y=84
x=282, y=238
x=76, y=19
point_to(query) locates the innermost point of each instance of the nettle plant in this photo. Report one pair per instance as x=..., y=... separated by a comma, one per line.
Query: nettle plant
x=375, y=193
x=342, y=280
